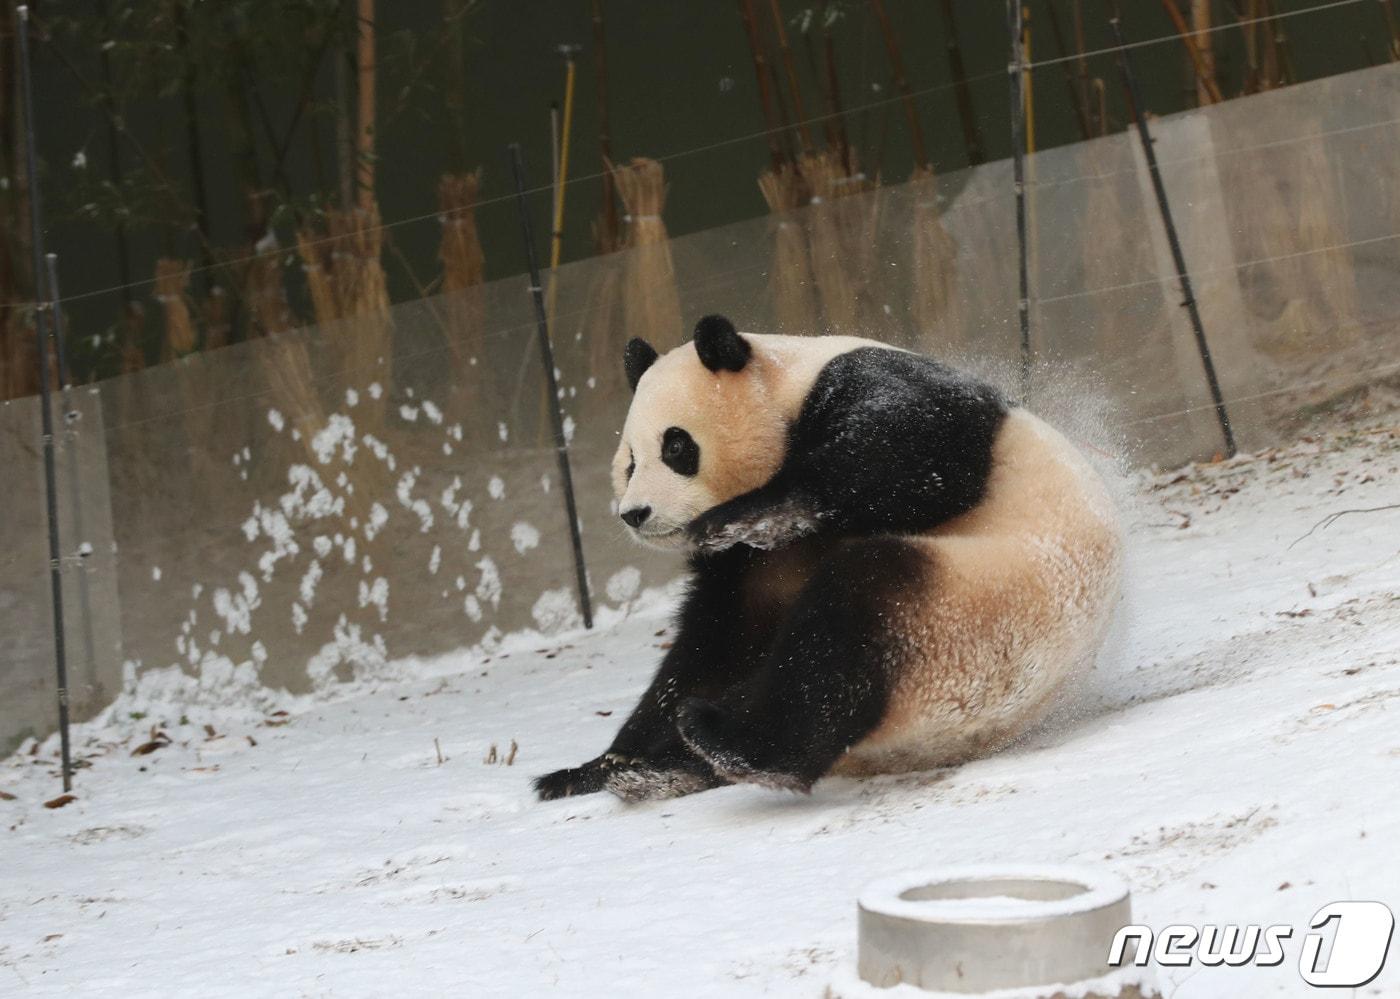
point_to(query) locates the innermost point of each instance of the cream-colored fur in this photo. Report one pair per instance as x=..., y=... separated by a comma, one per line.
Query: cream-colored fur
x=1023, y=588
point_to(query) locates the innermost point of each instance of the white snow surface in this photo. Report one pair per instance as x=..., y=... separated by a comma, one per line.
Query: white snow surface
x=1233, y=759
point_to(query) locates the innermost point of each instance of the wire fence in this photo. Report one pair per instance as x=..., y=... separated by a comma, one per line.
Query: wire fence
x=303, y=509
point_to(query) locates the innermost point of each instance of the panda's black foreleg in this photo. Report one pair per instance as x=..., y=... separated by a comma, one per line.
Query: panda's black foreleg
x=766, y=518
x=826, y=681
x=715, y=648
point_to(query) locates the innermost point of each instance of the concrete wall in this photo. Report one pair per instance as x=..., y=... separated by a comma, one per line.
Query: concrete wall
x=223, y=494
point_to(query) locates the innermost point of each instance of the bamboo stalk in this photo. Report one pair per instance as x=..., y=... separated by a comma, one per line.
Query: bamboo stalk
x=365, y=146
x=1081, y=70
x=557, y=234
x=607, y=234
x=1393, y=24
x=1207, y=91
x=972, y=136
x=916, y=133
x=344, y=129
x=1205, y=49
x=833, y=83
x=765, y=93
x=1081, y=113
x=803, y=131
x=1287, y=74
x=1028, y=78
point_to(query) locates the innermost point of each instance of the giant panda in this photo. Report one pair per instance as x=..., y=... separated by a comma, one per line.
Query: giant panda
x=891, y=566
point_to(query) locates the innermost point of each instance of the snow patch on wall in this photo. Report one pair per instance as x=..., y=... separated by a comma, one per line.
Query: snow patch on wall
x=524, y=536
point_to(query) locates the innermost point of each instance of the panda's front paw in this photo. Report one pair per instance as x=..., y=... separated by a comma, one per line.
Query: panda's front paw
x=766, y=527
x=587, y=779
x=713, y=532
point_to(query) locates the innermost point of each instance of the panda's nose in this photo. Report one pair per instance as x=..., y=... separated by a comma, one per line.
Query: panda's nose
x=635, y=517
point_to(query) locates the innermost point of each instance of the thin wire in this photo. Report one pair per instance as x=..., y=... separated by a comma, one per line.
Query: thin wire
x=1229, y=26
x=1369, y=372
x=1166, y=279
x=1211, y=157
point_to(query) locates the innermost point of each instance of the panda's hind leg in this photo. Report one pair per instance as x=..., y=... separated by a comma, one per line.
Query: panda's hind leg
x=825, y=683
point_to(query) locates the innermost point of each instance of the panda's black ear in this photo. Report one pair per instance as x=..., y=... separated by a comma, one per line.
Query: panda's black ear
x=719, y=344
x=637, y=356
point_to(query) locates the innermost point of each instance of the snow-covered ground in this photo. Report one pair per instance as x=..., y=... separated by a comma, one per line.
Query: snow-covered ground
x=1235, y=758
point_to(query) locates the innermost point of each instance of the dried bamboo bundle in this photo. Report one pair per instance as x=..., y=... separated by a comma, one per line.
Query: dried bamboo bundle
x=938, y=319
x=264, y=291
x=464, y=299
x=340, y=280
x=361, y=288
x=463, y=262
x=216, y=319
x=842, y=237
x=791, y=286
x=315, y=253
x=651, y=305
x=172, y=282
x=1286, y=208
x=350, y=297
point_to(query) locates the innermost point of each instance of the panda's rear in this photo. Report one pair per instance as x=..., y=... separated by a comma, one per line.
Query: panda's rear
x=1023, y=588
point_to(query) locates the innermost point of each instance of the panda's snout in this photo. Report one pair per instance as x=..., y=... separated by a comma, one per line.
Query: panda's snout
x=635, y=516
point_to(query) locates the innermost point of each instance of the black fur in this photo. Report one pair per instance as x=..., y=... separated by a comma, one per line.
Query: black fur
x=718, y=644
x=720, y=346
x=825, y=683
x=886, y=443
x=637, y=356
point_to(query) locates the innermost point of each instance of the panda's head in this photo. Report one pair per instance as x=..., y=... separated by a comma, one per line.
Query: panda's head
x=701, y=430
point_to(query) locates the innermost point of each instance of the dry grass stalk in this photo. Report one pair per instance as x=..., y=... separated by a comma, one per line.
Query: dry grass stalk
x=842, y=237
x=651, y=305
x=172, y=283
x=938, y=320
x=791, y=286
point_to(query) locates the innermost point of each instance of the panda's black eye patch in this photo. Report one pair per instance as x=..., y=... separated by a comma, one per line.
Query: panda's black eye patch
x=680, y=452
